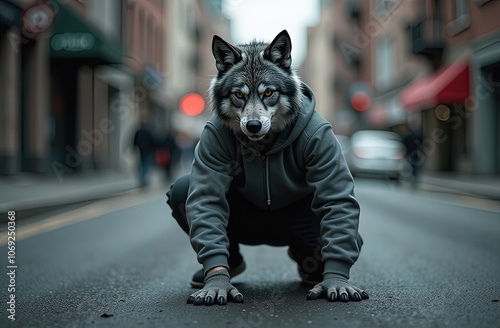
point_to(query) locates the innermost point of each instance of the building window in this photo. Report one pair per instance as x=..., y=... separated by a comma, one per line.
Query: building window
x=437, y=23
x=142, y=32
x=462, y=18
x=130, y=23
x=385, y=63
x=461, y=8
x=385, y=7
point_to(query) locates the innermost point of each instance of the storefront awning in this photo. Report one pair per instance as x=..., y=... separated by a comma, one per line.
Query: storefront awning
x=10, y=14
x=74, y=38
x=448, y=86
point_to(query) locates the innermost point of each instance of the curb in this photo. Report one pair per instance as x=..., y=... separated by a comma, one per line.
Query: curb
x=459, y=187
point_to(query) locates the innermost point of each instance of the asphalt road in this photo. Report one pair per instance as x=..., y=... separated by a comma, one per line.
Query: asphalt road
x=429, y=260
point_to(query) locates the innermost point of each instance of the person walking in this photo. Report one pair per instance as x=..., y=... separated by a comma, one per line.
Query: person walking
x=144, y=140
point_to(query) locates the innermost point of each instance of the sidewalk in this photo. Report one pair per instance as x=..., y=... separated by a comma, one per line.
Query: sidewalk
x=484, y=186
x=31, y=192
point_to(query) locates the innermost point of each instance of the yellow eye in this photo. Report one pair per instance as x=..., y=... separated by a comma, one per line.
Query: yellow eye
x=239, y=95
x=268, y=93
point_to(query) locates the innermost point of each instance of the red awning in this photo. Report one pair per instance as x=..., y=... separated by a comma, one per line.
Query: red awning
x=448, y=86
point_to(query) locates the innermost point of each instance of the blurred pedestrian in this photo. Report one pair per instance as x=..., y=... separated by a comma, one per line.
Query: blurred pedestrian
x=166, y=153
x=412, y=142
x=144, y=140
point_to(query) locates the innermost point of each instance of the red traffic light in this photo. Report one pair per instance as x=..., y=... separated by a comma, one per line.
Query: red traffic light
x=192, y=104
x=360, y=101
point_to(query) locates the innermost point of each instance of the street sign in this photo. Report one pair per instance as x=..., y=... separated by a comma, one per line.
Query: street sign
x=38, y=18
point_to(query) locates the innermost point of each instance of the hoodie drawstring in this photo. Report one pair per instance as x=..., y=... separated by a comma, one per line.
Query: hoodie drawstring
x=267, y=183
x=265, y=166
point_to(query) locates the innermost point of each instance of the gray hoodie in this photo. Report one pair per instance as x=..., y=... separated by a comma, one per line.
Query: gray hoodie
x=304, y=159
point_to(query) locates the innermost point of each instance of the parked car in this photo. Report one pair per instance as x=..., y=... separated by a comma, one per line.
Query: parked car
x=380, y=153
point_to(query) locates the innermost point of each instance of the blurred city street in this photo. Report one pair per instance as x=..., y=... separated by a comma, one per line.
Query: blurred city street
x=102, y=103
x=430, y=259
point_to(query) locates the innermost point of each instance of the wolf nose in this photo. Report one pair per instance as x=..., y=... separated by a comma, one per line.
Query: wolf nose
x=254, y=126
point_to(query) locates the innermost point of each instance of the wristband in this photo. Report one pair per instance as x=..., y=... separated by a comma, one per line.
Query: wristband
x=221, y=272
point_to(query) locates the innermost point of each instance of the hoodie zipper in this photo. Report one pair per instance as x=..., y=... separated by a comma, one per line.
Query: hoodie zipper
x=265, y=167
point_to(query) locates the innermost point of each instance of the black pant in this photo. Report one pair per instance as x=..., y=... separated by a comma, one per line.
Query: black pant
x=295, y=226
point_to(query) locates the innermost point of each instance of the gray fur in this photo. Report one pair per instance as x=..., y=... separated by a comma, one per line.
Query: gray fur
x=259, y=74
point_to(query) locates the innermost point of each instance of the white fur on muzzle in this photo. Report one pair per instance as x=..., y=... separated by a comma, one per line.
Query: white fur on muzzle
x=266, y=125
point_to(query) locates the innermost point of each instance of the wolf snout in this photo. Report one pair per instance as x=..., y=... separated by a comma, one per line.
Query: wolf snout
x=254, y=126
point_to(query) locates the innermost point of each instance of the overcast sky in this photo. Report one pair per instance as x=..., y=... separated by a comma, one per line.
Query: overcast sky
x=264, y=19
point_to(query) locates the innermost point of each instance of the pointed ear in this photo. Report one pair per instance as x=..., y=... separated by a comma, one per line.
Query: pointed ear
x=279, y=51
x=226, y=55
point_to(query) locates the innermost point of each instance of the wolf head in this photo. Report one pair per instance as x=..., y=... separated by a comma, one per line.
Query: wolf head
x=255, y=91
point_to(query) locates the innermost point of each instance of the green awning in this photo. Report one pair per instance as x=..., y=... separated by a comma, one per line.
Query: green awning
x=73, y=37
x=10, y=14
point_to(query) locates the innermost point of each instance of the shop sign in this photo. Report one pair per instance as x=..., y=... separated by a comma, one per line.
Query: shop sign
x=70, y=41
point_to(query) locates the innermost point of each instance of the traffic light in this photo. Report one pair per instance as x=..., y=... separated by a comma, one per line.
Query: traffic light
x=192, y=104
x=360, y=101
x=360, y=96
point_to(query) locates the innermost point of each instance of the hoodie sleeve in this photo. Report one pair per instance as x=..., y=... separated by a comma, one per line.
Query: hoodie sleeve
x=207, y=208
x=334, y=201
